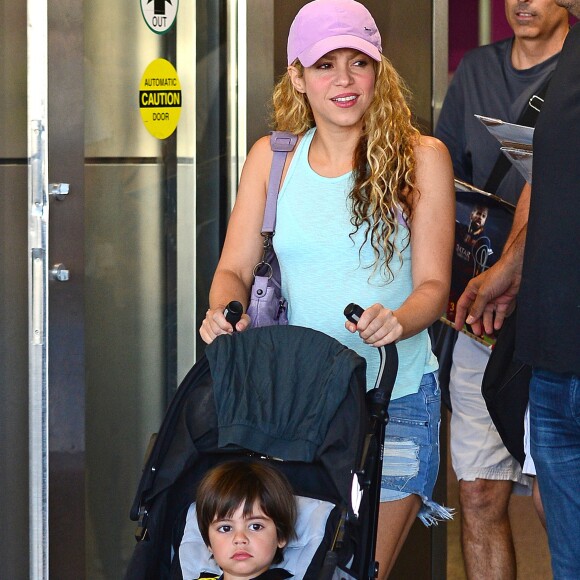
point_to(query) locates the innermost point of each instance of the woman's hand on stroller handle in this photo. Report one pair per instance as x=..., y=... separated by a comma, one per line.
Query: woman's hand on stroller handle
x=223, y=320
x=376, y=325
x=353, y=313
x=387, y=369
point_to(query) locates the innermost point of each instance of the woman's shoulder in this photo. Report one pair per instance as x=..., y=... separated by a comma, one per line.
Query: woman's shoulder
x=434, y=169
x=430, y=148
x=258, y=160
x=263, y=143
x=262, y=149
x=428, y=142
x=261, y=154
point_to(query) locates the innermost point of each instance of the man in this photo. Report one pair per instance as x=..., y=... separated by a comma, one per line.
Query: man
x=548, y=303
x=496, y=81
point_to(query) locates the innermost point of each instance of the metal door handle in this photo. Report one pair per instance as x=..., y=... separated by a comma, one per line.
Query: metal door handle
x=58, y=190
x=59, y=273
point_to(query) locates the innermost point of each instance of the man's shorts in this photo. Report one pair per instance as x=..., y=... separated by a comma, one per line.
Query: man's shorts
x=477, y=451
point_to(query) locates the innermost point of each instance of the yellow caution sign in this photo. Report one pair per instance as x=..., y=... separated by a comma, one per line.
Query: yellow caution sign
x=160, y=98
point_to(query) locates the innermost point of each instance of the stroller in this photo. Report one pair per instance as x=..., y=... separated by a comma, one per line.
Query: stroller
x=295, y=398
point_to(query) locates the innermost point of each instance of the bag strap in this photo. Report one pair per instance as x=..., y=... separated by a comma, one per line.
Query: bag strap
x=528, y=118
x=281, y=142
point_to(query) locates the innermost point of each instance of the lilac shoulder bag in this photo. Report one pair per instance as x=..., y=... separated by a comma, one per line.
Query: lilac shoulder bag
x=267, y=305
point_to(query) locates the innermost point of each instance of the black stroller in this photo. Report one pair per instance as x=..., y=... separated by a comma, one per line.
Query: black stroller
x=299, y=403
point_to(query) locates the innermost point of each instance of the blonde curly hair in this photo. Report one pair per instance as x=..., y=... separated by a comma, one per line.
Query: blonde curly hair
x=383, y=161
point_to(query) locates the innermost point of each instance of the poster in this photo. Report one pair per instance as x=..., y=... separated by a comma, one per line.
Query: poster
x=482, y=225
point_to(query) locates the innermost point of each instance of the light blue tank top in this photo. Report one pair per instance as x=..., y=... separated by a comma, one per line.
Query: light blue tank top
x=323, y=269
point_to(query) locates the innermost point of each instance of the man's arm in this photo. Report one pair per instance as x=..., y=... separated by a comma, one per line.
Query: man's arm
x=520, y=222
x=489, y=297
x=451, y=126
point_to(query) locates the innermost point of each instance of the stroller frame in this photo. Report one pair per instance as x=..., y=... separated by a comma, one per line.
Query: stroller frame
x=164, y=473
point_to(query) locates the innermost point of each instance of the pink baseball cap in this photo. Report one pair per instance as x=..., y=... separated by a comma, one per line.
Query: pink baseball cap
x=324, y=25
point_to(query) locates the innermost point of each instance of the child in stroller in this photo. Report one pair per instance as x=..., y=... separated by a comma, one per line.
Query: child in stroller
x=246, y=513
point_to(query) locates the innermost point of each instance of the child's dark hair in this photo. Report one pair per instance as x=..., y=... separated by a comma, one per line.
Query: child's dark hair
x=225, y=487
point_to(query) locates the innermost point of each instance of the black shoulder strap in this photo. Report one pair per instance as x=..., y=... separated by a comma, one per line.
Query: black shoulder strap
x=528, y=118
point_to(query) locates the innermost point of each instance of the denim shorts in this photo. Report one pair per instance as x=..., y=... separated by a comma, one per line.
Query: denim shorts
x=411, y=453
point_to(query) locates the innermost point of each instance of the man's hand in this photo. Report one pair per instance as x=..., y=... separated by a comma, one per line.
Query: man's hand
x=489, y=297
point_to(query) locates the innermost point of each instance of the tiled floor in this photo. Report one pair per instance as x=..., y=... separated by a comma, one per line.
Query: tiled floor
x=533, y=558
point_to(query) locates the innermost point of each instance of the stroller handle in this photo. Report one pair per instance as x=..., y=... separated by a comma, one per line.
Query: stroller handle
x=389, y=363
x=233, y=313
x=378, y=400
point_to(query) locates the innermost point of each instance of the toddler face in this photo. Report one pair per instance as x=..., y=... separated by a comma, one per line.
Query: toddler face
x=244, y=545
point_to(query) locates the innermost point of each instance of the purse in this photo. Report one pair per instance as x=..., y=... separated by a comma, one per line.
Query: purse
x=267, y=305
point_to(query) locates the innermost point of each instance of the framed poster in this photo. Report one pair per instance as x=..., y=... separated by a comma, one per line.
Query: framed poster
x=482, y=225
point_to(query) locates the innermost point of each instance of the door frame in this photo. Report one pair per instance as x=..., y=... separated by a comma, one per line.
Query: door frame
x=37, y=95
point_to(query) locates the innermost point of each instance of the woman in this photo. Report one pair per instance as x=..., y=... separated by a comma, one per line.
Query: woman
x=366, y=215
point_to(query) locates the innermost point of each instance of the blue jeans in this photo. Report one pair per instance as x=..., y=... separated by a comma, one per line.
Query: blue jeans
x=555, y=448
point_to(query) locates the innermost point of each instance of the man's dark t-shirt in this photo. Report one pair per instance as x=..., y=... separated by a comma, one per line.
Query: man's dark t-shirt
x=549, y=299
